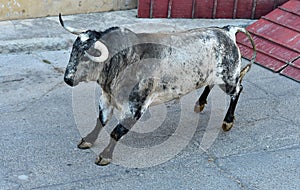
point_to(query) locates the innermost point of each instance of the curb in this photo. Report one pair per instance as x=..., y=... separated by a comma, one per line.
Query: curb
x=28, y=45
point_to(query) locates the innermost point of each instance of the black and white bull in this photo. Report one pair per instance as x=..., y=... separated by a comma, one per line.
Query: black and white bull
x=137, y=70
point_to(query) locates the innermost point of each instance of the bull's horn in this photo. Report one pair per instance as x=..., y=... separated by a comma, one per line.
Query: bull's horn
x=104, y=52
x=70, y=29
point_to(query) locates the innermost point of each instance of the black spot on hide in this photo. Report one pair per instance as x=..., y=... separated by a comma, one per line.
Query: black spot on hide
x=227, y=28
x=118, y=132
x=138, y=96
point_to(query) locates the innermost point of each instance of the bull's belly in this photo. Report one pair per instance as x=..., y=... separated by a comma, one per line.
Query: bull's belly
x=166, y=94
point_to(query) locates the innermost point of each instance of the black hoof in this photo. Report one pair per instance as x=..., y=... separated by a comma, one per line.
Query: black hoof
x=103, y=161
x=199, y=106
x=227, y=126
x=84, y=145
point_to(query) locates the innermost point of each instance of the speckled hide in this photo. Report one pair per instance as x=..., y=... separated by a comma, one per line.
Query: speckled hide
x=175, y=64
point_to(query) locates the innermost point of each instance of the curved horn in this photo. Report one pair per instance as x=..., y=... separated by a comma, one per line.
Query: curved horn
x=104, y=52
x=70, y=29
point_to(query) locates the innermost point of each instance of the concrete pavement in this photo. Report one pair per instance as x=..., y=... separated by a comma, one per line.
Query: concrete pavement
x=39, y=133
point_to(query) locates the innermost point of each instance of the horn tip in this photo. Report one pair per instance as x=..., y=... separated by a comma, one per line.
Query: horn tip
x=60, y=20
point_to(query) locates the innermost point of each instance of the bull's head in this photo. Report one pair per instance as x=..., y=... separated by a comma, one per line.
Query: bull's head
x=88, y=53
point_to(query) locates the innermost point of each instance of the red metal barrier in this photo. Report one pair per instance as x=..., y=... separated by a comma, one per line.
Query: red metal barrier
x=277, y=38
x=206, y=8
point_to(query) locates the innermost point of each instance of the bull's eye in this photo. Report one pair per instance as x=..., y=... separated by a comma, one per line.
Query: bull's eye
x=85, y=58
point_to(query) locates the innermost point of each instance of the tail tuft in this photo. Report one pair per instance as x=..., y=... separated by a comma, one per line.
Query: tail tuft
x=244, y=71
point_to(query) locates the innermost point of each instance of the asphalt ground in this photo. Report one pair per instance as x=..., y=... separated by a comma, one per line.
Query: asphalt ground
x=41, y=121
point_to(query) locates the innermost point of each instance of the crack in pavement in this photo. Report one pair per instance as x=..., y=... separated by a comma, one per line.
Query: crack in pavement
x=12, y=80
x=214, y=161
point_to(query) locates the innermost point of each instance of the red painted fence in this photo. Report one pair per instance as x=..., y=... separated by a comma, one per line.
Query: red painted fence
x=277, y=38
x=206, y=8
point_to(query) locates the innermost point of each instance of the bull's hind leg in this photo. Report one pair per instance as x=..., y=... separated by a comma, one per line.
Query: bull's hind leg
x=105, y=114
x=229, y=118
x=200, y=104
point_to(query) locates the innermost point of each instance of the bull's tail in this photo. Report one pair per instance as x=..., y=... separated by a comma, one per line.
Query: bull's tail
x=248, y=66
x=244, y=71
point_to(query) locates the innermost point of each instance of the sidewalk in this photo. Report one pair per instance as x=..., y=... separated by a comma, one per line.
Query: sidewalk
x=47, y=34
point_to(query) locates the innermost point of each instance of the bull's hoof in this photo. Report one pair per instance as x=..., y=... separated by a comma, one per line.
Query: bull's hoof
x=101, y=161
x=227, y=126
x=84, y=145
x=199, y=108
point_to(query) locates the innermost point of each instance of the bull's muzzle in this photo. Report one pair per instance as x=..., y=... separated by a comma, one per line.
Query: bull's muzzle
x=69, y=77
x=69, y=81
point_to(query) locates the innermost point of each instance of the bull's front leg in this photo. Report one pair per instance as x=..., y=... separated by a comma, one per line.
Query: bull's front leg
x=138, y=102
x=119, y=131
x=105, y=114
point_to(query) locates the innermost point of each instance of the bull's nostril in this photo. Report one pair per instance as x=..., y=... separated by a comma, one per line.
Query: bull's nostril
x=69, y=81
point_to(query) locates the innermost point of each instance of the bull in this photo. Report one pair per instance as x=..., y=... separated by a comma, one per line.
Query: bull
x=138, y=70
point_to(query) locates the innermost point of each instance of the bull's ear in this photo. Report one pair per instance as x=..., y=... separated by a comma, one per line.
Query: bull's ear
x=98, y=53
x=93, y=52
